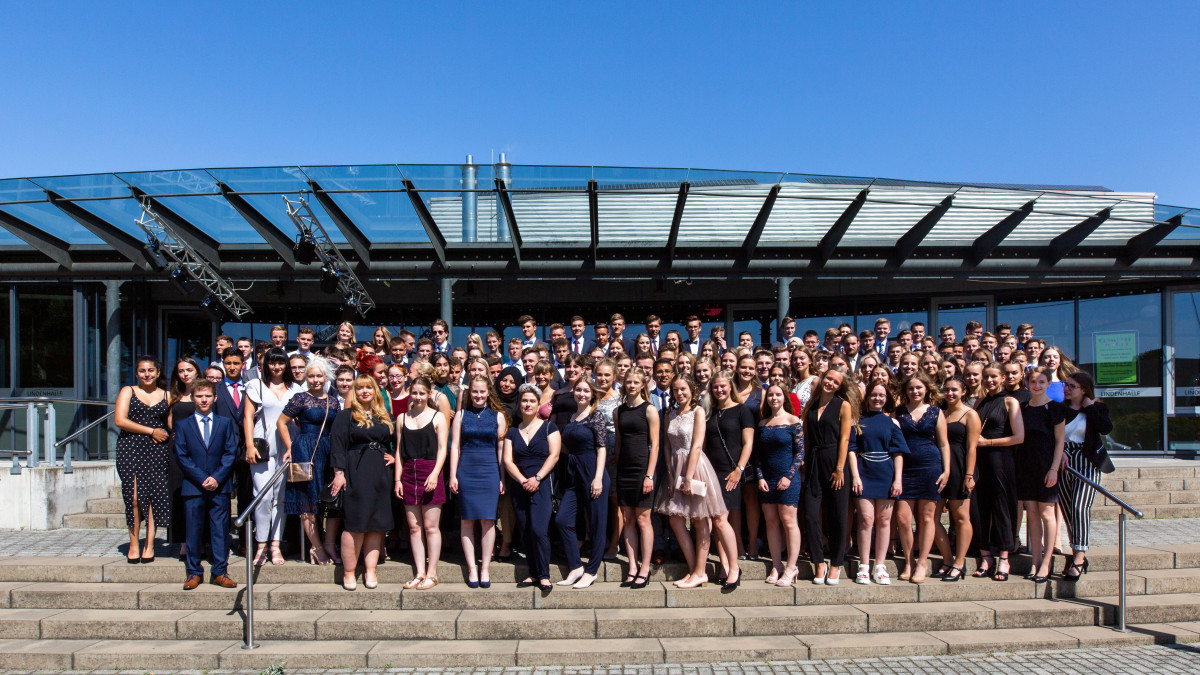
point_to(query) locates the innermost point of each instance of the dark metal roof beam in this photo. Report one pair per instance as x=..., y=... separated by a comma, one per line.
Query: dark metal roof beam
x=1066, y=242
x=907, y=244
x=757, y=227
x=53, y=247
x=514, y=232
x=266, y=229
x=122, y=242
x=834, y=236
x=358, y=241
x=431, y=229
x=203, y=244
x=987, y=242
x=673, y=237
x=594, y=217
x=1140, y=245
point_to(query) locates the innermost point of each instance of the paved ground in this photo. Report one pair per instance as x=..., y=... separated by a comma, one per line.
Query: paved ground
x=1157, y=660
x=72, y=543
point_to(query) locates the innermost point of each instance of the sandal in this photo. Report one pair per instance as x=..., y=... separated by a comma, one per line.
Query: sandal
x=773, y=577
x=984, y=569
x=276, y=556
x=951, y=576
x=427, y=583
x=864, y=575
x=1000, y=576
x=332, y=552
x=789, y=577
x=881, y=575
x=413, y=582
x=260, y=556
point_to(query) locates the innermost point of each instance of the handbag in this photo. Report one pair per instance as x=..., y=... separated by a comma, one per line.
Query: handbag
x=302, y=472
x=699, y=487
x=260, y=444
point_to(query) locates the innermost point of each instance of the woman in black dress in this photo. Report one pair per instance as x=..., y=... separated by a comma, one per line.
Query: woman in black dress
x=1001, y=428
x=1037, y=460
x=143, y=457
x=749, y=393
x=728, y=444
x=962, y=431
x=186, y=371
x=636, y=448
x=531, y=449
x=360, y=454
x=825, y=493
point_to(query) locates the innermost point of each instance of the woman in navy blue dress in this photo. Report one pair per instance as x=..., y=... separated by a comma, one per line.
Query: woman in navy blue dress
x=926, y=470
x=586, y=486
x=531, y=449
x=779, y=445
x=313, y=410
x=475, y=473
x=876, y=464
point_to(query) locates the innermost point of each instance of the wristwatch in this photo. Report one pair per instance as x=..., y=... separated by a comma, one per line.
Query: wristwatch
x=649, y=476
x=537, y=478
x=741, y=468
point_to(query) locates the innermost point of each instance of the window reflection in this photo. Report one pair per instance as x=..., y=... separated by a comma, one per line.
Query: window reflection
x=45, y=337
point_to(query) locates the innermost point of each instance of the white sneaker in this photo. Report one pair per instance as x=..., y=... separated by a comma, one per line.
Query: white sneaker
x=863, y=576
x=881, y=575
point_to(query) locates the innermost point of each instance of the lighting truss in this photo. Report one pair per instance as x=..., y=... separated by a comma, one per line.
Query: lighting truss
x=333, y=265
x=179, y=256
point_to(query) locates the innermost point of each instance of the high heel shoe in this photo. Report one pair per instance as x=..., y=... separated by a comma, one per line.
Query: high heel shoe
x=789, y=576
x=694, y=583
x=773, y=577
x=951, y=576
x=985, y=568
x=332, y=551
x=728, y=585
x=819, y=579
x=640, y=584
x=584, y=581
x=572, y=577
x=1079, y=569
x=1000, y=576
x=314, y=556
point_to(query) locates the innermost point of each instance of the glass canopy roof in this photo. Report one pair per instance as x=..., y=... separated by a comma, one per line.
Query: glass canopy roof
x=383, y=204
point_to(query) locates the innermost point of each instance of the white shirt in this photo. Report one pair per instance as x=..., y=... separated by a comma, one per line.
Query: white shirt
x=200, y=422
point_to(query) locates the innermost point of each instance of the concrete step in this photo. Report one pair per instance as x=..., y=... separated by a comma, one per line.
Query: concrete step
x=114, y=492
x=183, y=654
x=108, y=505
x=94, y=521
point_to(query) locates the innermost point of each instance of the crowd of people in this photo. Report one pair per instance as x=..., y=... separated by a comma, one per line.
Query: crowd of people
x=652, y=445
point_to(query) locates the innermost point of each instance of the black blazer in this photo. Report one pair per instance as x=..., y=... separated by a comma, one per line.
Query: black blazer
x=1098, y=424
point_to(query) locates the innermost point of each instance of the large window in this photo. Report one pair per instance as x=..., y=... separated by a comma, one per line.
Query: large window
x=957, y=315
x=1053, y=321
x=45, y=337
x=1120, y=345
x=1183, y=427
x=5, y=347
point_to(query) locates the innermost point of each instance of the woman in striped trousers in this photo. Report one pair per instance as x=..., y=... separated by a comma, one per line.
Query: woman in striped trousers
x=1087, y=422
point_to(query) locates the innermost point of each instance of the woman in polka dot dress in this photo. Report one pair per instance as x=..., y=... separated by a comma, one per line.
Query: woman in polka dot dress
x=143, y=456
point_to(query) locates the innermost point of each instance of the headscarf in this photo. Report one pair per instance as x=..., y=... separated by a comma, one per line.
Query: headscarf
x=511, y=402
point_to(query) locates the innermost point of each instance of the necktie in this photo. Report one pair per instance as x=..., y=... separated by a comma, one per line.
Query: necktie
x=237, y=396
x=204, y=434
x=578, y=348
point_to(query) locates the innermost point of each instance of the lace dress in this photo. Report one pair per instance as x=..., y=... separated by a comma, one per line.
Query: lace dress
x=309, y=412
x=780, y=450
x=673, y=502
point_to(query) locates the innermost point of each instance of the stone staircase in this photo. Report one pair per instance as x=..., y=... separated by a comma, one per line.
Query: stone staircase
x=105, y=513
x=82, y=613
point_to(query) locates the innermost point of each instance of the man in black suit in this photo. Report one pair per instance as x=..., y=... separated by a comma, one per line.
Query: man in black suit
x=577, y=342
x=205, y=447
x=616, y=330
x=231, y=403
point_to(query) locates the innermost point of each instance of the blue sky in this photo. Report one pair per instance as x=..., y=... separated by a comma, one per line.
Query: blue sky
x=1085, y=93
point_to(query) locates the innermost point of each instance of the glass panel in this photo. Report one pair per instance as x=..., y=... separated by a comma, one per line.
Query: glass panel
x=974, y=212
x=365, y=177
x=554, y=217
x=803, y=212
x=122, y=214
x=215, y=217
x=628, y=178
x=1130, y=217
x=264, y=179
x=526, y=177
x=1054, y=214
x=702, y=179
x=45, y=337
x=20, y=189
x=48, y=218
x=388, y=216
x=636, y=215
x=709, y=217
x=85, y=186
x=186, y=334
x=820, y=324
x=898, y=320
x=9, y=239
x=172, y=182
x=1120, y=344
x=1186, y=359
x=5, y=345
x=957, y=314
x=1183, y=434
x=440, y=187
x=273, y=208
x=1053, y=321
x=889, y=213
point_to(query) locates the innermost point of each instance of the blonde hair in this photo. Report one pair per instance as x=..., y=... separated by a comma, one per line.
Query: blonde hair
x=363, y=414
x=643, y=394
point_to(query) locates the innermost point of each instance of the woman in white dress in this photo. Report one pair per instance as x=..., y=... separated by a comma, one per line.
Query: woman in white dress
x=265, y=400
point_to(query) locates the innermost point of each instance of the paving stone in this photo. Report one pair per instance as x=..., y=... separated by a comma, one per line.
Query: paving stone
x=749, y=594
x=151, y=655
x=1105, y=636
x=927, y=616
x=40, y=654
x=871, y=645
x=113, y=624
x=458, y=596
x=269, y=624
x=1003, y=640
x=54, y=568
x=601, y=595
x=77, y=596
x=23, y=623
x=850, y=593
x=765, y=648
x=798, y=620
x=664, y=622
x=443, y=654
x=307, y=596
x=526, y=624
x=1041, y=613
x=293, y=655
x=388, y=624
x=205, y=596
x=590, y=652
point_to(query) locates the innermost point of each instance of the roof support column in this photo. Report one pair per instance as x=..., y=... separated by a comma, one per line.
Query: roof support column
x=470, y=203
x=504, y=174
x=447, y=309
x=783, y=301
x=112, y=371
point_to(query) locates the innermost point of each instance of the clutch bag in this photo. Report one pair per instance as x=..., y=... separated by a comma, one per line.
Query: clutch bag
x=699, y=487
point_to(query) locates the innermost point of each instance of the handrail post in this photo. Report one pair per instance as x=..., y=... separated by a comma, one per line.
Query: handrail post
x=31, y=435
x=49, y=431
x=1121, y=574
x=247, y=542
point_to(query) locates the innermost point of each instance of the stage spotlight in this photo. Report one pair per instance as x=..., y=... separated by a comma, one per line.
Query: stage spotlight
x=329, y=280
x=305, y=249
x=211, y=307
x=350, y=309
x=154, y=256
x=182, y=281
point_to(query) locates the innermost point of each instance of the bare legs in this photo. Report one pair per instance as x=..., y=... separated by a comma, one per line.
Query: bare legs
x=925, y=509
x=425, y=539
x=874, y=518
x=960, y=515
x=1042, y=533
x=331, y=530
x=695, y=553
x=783, y=528
x=639, y=540
x=487, y=542
x=726, y=538
x=135, y=545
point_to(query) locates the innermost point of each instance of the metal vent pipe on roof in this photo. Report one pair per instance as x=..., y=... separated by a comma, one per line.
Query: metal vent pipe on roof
x=504, y=173
x=470, y=204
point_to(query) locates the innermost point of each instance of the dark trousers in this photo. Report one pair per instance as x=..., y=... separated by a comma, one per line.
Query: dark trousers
x=243, y=487
x=997, y=498
x=211, y=508
x=533, y=510
x=581, y=469
x=821, y=503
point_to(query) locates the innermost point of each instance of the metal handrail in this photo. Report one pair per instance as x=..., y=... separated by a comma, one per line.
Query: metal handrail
x=84, y=430
x=52, y=399
x=244, y=518
x=1121, y=567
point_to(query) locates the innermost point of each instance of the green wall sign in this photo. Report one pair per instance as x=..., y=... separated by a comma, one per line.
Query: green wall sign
x=1116, y=357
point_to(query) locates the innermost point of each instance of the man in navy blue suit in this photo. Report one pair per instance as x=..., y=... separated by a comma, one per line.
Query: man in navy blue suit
x=205, y=446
